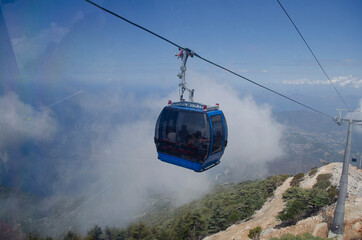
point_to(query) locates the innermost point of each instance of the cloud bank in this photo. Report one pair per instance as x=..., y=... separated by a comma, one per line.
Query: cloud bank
x=254, y=135
x=357, y=115
x=20, y=122
x=29, y=48
x=118, y=174
x=124, y=158
x=344, y=81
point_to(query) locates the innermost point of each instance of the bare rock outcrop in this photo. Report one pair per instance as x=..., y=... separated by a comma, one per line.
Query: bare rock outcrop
x=316, y=225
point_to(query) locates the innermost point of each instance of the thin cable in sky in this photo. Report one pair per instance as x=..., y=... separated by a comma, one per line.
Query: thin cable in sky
x=319, y=64
x=266, y=88
x=134, y=24
x=64, y=99
x=208, y=61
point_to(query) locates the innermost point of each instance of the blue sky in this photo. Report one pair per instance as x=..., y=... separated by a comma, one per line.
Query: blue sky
x=79, y=66
x=77, y=42
x=80, y=111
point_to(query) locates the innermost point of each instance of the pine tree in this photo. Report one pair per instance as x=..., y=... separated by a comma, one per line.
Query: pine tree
x=196, y=225
x=71, y=236
x=217, y=222
x=255, y=233
x=190, y=226
x=140, y=231
x=95, y=233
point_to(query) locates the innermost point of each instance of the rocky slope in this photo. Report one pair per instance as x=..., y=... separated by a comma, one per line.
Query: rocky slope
x=316, y=225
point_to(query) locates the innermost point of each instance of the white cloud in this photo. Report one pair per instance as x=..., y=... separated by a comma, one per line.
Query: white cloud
x=123, y=153
x=79, y=15
x=356, y=115
x=349, y=61
x=344, y=81
x=254, y=136
x=359, y=128
x=251, y=126
x=19, y=121
x=28, y=48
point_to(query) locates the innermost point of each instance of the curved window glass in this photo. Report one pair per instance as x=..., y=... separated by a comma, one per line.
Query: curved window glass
x=218, y=133
x=184, y=134
x=226, y=132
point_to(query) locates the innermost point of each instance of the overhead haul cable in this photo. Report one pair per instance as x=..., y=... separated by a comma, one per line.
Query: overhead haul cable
x=266, y=88
x=134, y=24
x=319, y=64
x=208, y=61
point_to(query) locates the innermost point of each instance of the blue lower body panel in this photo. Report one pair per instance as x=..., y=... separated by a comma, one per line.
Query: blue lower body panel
x=210, y=162
x=180, y=162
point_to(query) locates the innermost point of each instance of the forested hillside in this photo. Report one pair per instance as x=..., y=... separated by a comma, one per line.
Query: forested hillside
x=223, y=206
x=294, y=205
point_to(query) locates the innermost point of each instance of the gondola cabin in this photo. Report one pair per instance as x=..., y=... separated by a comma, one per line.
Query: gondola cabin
x=191, y=135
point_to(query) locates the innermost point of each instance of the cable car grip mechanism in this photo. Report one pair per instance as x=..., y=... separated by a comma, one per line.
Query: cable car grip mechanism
x=184, y=54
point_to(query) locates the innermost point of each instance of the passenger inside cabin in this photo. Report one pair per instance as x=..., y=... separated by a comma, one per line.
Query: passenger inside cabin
x=183, y=135
x=196, y=139
x=171, y=136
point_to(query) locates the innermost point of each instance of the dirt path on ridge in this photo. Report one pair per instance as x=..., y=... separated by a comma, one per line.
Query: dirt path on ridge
x=265, y=217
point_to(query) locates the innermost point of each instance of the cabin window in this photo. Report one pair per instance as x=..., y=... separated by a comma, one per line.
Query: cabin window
x=184, y=134
x=217, y=132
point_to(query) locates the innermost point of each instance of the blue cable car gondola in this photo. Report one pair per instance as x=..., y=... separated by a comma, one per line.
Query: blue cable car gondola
x=190, y=134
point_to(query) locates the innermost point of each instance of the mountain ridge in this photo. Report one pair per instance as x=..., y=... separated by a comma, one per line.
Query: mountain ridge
x=315, y=225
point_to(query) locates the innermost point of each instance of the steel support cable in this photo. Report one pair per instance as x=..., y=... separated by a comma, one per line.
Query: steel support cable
x=208, y=61
x=134, y=24
x=266, y=88
x=319, y=64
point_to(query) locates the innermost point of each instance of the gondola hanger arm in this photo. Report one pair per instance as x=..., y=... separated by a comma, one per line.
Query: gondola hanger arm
x=184, y=54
